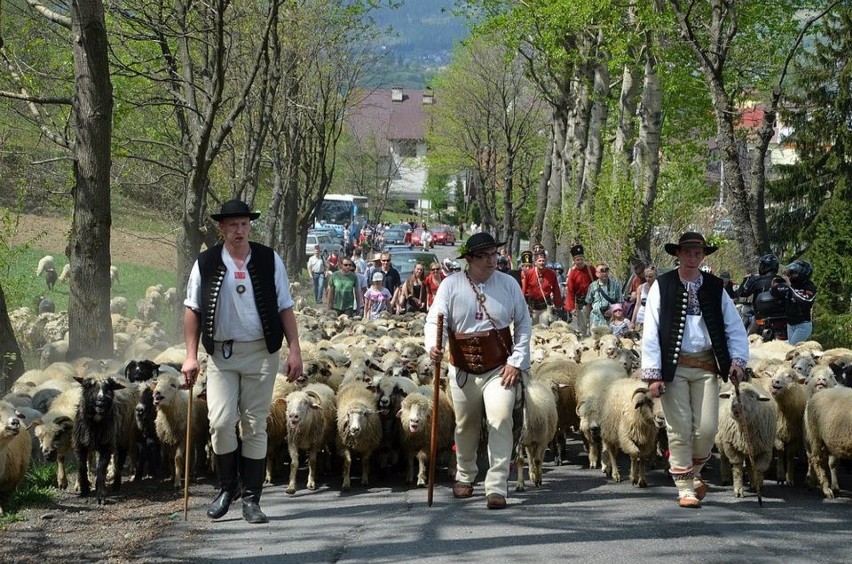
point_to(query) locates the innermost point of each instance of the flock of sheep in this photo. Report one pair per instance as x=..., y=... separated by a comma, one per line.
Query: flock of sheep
x=367, y=394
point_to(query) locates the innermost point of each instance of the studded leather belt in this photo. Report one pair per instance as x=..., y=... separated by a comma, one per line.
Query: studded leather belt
x=693, y=362
x=480, y=352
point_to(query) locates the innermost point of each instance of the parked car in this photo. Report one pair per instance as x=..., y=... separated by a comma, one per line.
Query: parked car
x=404, y=261
x=326, y=242
x=393, y=236
x=443, y=235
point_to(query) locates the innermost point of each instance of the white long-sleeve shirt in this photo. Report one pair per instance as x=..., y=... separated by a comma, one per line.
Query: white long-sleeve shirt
x=695, y=335
x=457, y=300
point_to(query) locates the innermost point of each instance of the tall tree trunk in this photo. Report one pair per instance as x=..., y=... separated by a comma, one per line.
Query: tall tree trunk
x=541, y=200
x=648, y=155
x=11, y=362
x=89, y=324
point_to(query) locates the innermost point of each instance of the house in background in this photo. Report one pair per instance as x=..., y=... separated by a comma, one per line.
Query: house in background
x=393, y=124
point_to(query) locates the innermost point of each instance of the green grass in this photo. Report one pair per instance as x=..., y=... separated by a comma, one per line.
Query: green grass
x=22, y=288
x=36, y=489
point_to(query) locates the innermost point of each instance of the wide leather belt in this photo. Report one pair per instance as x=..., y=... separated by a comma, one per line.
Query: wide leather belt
x=480, y=352
x=694, y=362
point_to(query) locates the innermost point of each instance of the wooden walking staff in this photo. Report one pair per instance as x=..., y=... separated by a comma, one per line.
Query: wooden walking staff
x=187, y=453
x=436, y=391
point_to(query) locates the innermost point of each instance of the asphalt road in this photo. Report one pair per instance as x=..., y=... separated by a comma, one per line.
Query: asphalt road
x=575, y=514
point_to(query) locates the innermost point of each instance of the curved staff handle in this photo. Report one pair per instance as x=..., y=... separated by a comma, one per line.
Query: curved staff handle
x=436, y=390
x=186, y=454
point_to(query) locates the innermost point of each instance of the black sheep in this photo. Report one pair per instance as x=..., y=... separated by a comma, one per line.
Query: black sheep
x=148, y=447
x=141, y=370
x=96, y=428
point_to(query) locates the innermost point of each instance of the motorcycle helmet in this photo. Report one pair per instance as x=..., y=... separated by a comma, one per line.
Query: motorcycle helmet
x=800, y=270
x=558, y=267
x=456, y=267
x=551, y=265
x=768, y=264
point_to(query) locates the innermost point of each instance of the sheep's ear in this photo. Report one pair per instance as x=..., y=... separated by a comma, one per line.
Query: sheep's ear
x=725, y=395
x=799, y=378
x=577, y=409
x=763, y=398
x=79, y=379
x=279, y=402
x=399, y=414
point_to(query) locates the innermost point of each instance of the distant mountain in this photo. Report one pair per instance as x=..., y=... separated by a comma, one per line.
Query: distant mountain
x=420, y=41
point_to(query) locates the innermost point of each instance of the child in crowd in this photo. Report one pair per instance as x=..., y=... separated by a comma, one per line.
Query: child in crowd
x=619, y=324
x=377, y=298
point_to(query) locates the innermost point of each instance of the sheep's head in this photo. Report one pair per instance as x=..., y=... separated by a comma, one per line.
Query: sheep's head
x=784, y=378
x=10, y=418
x=167, y=388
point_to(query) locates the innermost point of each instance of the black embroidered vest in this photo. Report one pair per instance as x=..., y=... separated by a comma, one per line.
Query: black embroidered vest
x=673, y=305
x=261, y=271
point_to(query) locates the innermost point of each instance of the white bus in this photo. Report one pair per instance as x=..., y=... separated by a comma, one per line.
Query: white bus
x=337, y=209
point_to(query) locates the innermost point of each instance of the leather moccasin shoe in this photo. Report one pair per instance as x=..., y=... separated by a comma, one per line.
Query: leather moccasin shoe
x=700, y=489
x=689, y=502
x=495, y=501
x=462, y=490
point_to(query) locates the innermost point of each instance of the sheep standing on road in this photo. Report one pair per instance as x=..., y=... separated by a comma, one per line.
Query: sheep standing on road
x=171, y=423
x=311, y=415
x=539, y=427
x=828, y=418
x=359, y=429
x=15, y=452
x=595, y=380
x=415, y=417
x=97, y=429
x=561, y=374
x=790, y=398
x=754, y=412
x=628, y=424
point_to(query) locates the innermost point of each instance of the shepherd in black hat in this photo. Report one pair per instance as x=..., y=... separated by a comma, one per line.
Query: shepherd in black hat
x=488, y=331
x=692, y=334
x=238, y=306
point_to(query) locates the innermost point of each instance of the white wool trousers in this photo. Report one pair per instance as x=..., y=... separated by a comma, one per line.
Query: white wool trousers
x=483, y=395
x=691, y=407
x=239, y=390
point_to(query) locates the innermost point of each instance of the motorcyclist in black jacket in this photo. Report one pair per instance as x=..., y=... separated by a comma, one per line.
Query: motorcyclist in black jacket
x=758, y=286
x=798, y=293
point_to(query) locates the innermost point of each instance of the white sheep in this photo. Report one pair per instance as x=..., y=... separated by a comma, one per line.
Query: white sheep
x=65, y=275
x=820, y=378
x=359, y=430
x=790, y=396
x=827, y=420
x=592, y=385
x=755, y=412
x=15, y=452
x=415, y=416
x=628, y=424
x=45, y=263
x=113, y=274
x=171, y=403
x=561, y=374
x=118, y=305
x=311, y=414
x=537, y=431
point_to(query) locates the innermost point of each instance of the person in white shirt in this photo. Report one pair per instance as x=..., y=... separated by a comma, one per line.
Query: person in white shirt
x=316, y=267
x=692, y=334
x=239, y=307
x=485, y=372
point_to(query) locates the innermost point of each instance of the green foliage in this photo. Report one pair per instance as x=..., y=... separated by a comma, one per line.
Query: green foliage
x=36, y=490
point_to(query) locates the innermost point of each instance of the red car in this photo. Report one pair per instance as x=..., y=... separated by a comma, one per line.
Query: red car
x=443, y=235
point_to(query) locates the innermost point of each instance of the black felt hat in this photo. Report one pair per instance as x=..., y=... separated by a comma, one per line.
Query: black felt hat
x=690, y=239
x=234, y=208
x=577, y=250
x=477, y=243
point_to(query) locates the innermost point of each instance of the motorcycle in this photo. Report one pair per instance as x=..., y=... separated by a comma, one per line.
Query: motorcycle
x=772, y=328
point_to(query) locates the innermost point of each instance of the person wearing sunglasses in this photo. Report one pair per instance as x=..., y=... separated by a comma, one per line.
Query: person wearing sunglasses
x=342, y=295
x=486, y=325
x=433, y=280
x=602, y=294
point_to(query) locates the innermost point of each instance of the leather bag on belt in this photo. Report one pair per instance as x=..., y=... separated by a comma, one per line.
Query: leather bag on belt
x=480, y=352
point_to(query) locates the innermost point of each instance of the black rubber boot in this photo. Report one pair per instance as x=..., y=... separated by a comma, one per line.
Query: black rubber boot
x=254, y=472
x=226, y=466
